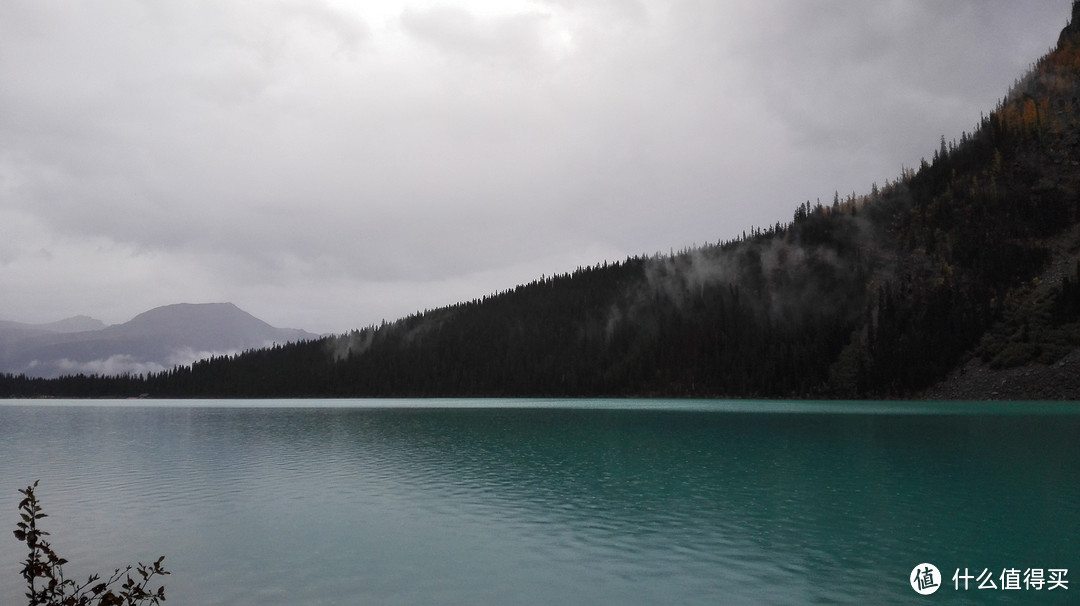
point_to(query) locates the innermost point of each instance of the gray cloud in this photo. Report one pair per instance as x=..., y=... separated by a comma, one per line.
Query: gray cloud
x=326, y=165
x=517, y=39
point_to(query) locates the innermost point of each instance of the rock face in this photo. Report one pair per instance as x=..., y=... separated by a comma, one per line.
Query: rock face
x=152, y=341
x=977, y=381
x=1071, y=33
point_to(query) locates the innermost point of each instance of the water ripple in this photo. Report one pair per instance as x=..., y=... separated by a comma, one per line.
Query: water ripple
x=544, y=505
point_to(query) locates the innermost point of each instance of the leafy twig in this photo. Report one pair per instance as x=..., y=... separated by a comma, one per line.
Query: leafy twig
x=43, y=571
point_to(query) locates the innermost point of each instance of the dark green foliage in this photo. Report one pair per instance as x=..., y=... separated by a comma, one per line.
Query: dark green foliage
x=977, y=230
x=43, y=571
x=1038, y=324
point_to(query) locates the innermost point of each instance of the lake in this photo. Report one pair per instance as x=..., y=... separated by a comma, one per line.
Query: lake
x=521, y=502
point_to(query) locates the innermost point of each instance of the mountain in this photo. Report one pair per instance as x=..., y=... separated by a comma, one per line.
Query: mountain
x=964, y=267
x=73, y=324
x=152, y=341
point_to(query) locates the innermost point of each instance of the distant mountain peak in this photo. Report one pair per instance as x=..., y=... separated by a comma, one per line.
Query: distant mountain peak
x=67, y=325
x=76, y=324
x=217, y=322
x=156, y=339
x=190, y=311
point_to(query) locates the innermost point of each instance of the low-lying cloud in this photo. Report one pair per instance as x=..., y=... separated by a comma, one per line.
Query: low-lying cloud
x=119, y=364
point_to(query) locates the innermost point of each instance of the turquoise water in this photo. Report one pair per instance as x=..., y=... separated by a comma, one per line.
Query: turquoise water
x=550, y=501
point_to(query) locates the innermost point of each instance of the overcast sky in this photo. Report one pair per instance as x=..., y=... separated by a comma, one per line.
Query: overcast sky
x=327, y=164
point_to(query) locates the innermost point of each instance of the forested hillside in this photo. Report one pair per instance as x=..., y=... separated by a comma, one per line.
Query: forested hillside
x=877, y=295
